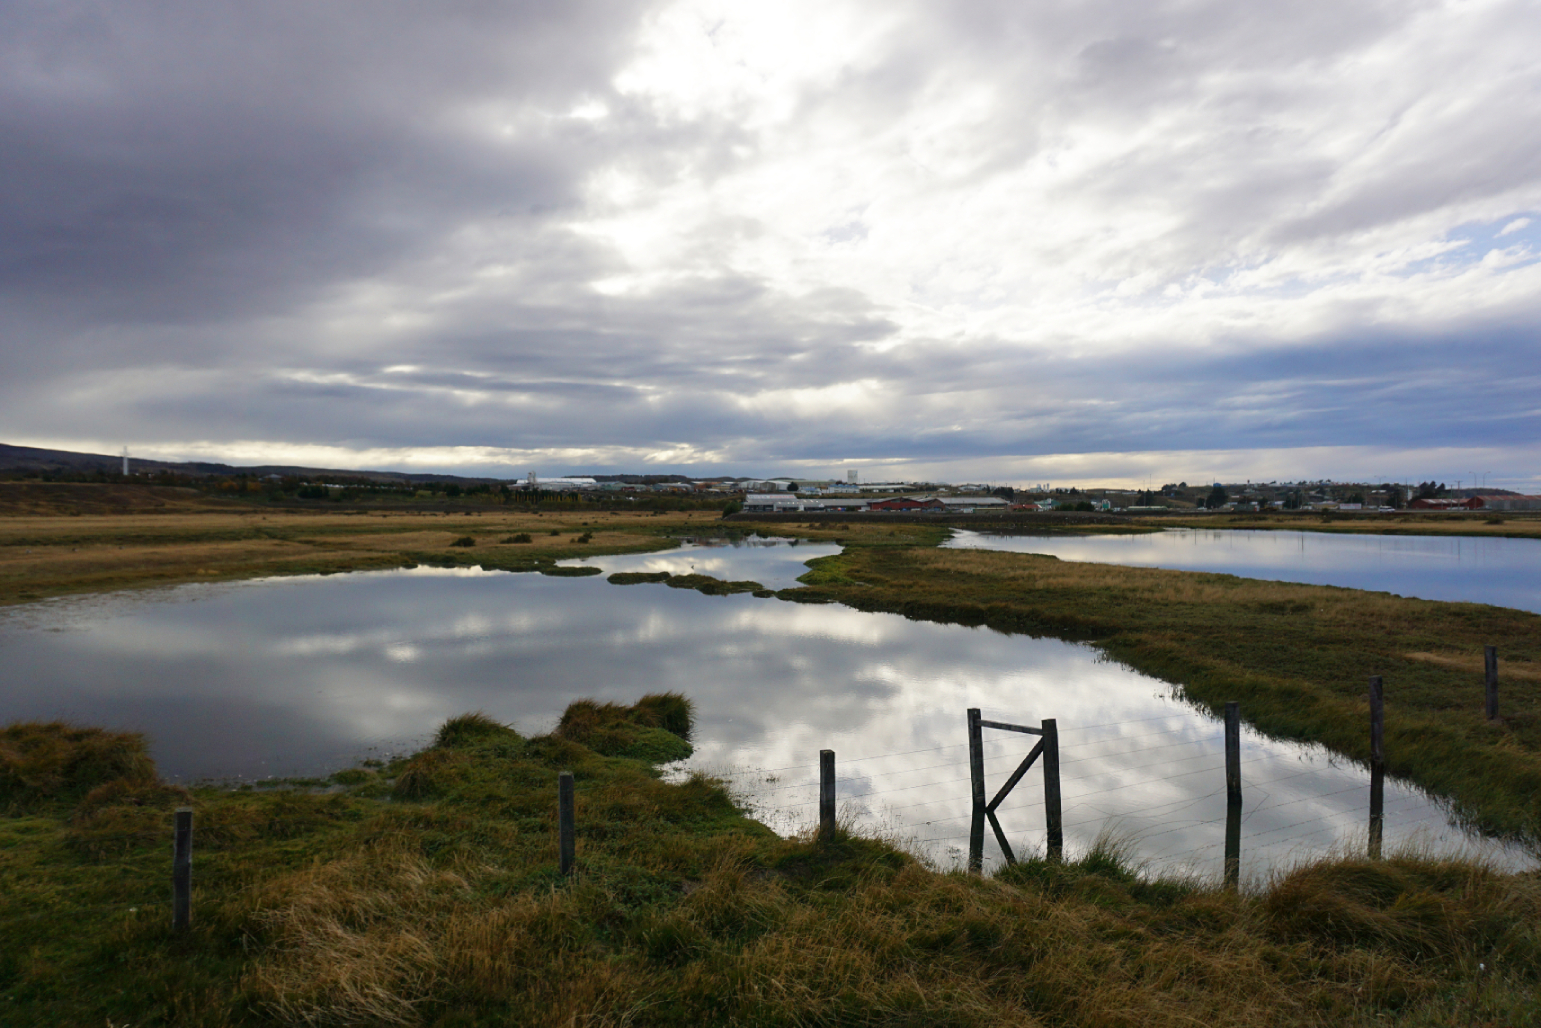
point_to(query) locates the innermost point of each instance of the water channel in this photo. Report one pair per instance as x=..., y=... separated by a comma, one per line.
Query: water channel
x=1503, y=572
x=305, y=675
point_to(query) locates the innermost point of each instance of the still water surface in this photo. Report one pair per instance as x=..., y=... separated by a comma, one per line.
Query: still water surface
x=1503, y=572
x=304, y=675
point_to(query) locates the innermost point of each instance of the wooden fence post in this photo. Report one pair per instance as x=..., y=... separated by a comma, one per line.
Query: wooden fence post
x=1377, y=766
x=976, y=770
x=826, y=795
x=1053, y=820
x=182, y=870
x=1232, y=794
x=566, y=840
x=1490, y=660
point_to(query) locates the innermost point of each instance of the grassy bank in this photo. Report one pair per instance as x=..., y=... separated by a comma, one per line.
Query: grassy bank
x=1297, y=657
x=78, y=544
x=44, y=556
x=426, y=892
x=1508, y=525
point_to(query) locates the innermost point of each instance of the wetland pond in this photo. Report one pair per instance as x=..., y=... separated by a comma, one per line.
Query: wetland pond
x=305, y=675
x=1472, y=569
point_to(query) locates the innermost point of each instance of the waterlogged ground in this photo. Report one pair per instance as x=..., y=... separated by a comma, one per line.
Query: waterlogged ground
x=1502, y=571
x=304, y=675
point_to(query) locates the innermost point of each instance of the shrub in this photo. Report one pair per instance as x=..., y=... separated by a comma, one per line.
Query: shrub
x=464, y=540
x=522, y=537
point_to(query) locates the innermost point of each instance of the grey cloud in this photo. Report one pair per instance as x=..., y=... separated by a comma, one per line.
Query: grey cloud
x=173, y=161
x=224, y=221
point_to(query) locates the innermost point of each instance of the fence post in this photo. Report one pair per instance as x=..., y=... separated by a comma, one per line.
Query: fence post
x=182, y=870
x=1053, y=820
x=976, y=771
x=1377, y=766
x=1232, y=794
x=826, y=795
x=1490, y=660
x=566, y=842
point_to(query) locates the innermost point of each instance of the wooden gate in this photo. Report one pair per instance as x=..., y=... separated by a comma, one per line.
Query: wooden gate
x=1047, y=748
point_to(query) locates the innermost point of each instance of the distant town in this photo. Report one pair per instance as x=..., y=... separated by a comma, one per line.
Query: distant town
x=846, y=494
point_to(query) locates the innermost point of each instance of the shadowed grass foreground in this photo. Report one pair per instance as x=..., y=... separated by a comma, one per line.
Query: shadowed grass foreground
x=382, y=902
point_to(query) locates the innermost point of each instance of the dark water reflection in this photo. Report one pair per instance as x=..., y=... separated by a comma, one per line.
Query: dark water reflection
x=291, y=676
x=1503, y=572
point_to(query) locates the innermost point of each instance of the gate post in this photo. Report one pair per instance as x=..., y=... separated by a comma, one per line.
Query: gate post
x=976, y=771
x=826, y=796
x=1490, y=666
x=1232, y=794
x=1377, y=766
x=1053, y=820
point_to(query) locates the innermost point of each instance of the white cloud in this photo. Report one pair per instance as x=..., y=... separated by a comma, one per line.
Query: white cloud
x=707, y=233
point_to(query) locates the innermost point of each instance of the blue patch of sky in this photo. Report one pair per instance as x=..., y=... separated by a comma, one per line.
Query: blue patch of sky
x=1474, y=240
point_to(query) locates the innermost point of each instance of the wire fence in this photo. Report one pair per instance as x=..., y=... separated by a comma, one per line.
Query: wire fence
x=1105, y=772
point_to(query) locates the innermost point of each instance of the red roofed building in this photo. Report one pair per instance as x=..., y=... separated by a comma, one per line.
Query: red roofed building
x=905, y=503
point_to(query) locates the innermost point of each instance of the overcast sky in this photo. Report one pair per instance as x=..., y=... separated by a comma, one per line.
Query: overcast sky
x=1053, y=240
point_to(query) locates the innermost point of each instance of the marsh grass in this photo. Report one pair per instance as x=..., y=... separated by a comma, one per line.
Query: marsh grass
x=42, y=556
x=41, y=762
x=444, y=907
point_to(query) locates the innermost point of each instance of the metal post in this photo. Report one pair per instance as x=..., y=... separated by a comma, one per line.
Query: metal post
x=566, y=841
x=1232, y=794
x=1490, y=659
x=976, y=770
x=1053, y=820
x=182, y=870
x=1377, y=766
x=826, y=795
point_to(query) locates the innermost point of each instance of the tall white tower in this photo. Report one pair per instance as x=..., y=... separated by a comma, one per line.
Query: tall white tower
x=850, y=475
x=125, y=462
x=533, y=482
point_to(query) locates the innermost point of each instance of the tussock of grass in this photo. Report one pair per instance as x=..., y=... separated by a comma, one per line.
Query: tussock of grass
x=472, y=728
x=48, y=761
x=671, y=711
x=447, y=910
x=646, y=731
x=638, y=577
x=711, y=586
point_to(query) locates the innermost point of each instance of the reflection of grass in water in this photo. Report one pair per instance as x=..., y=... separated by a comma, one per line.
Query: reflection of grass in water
x=426, y=892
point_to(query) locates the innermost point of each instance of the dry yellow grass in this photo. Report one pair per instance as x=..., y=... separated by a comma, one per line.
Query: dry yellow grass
x=48, y=555
x=1473, y=664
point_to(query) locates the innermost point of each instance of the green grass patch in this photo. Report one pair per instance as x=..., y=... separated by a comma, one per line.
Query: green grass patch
x=426, y=892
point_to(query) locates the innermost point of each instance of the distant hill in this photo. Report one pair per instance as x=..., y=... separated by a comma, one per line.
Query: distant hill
x=29, y=458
